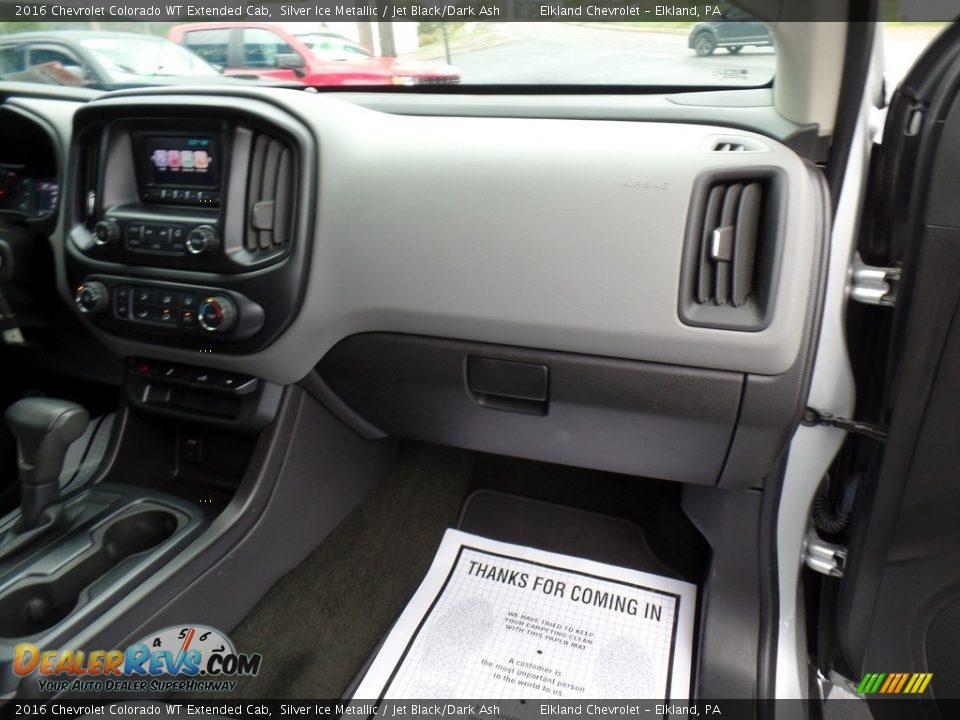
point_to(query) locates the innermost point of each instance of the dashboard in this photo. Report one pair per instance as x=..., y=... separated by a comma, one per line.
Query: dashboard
x=23, y=194
x=614, y=294
x=29, y=185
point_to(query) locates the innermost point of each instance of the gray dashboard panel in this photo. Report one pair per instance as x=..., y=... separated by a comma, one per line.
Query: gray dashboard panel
x=748, y=109
x=544, y=233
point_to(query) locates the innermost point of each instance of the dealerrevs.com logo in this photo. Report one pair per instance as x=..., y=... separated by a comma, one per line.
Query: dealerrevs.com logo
x=178, y=659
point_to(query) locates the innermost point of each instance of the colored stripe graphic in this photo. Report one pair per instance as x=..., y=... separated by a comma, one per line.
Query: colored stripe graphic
x=894, y=683
x=891, y=681
x=901, y=682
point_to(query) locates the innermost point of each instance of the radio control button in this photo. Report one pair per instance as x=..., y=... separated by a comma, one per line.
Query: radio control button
x=155, y=237
x=202, y=240
x=106, y=232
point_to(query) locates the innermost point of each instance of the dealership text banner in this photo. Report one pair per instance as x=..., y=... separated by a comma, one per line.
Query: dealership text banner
x=441, y=10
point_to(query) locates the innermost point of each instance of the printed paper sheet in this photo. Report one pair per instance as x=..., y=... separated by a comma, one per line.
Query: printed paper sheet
x=493, y=620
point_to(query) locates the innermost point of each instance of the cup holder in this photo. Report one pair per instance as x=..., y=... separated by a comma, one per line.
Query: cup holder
x=33, y=608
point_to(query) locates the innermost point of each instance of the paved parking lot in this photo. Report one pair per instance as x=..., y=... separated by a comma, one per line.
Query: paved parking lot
x=543, y=53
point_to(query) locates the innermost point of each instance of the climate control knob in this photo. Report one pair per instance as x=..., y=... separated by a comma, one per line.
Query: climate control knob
x=92, y=297
x=217, y=314
x=106, y=232
x=202, y=240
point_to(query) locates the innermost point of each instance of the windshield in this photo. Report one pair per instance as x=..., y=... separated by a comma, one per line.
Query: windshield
x=145, y=57
x=730, y=50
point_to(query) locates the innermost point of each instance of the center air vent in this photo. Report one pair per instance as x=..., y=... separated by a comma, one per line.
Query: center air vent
x=88, y=175
x=270, y=192
x=731, y=250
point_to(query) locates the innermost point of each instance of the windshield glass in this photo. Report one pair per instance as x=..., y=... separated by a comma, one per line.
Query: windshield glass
x=729, y=50
x=145, y=57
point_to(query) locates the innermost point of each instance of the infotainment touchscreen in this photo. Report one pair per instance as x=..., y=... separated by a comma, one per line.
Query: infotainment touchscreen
x=180, y=161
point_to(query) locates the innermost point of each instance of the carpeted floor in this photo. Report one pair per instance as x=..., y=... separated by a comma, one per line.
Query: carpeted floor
x=318, y=626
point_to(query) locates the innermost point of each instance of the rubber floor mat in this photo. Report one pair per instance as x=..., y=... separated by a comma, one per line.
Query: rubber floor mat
x=560, y=529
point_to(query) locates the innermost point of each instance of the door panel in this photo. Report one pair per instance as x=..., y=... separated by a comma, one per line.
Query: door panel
x=899, y=602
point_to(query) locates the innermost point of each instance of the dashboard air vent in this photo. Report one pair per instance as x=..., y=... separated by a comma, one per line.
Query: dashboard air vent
x=729, y=147
x=728, y=247
x=732, y=249
x=88, y=176
x=270, y=192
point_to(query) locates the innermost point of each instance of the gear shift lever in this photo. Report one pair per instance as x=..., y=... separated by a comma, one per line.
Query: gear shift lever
x=44, y=428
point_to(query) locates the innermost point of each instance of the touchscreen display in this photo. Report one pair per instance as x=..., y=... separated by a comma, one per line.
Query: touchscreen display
x=181, y=161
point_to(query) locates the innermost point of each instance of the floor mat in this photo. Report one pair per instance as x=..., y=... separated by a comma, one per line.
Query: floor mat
x=319, y=625
x=557, y=528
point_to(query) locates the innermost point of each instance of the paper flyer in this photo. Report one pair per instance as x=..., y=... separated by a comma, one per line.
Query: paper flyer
x=499, y=621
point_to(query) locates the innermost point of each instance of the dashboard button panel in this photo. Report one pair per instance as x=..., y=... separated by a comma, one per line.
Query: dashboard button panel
x=156, y=237
x=178, y=196
x=138, y=306
x=164, y=306
x=224, y=383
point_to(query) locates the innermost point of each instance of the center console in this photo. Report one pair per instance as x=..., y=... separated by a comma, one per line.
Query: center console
x=112, y=538
x=189, y=229
x=189, y=226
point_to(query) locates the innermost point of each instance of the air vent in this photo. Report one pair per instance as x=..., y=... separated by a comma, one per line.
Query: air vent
x=728, y=248
x=734, y=144
x=270, y=191
x=731, y=252
x=729, y=147
x=88, y=176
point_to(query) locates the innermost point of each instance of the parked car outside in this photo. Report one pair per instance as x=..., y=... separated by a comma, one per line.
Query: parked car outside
x=271, y=51
x=734, y=32
x=101, y=60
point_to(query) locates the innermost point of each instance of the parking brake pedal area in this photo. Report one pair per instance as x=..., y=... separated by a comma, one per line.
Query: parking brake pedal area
x=500, y=620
